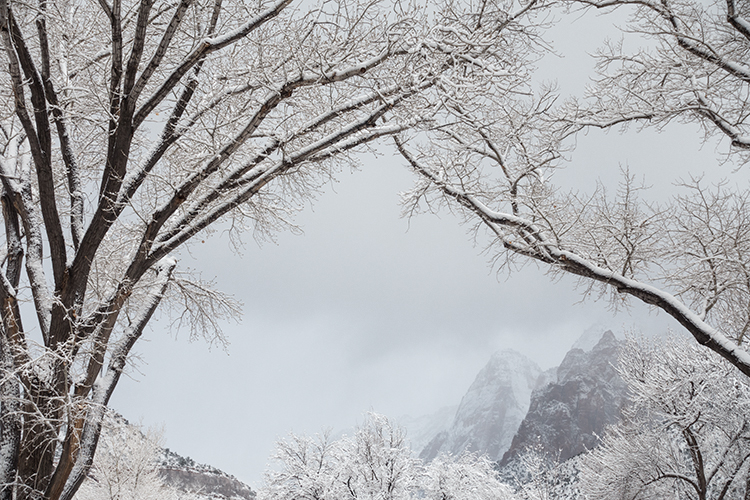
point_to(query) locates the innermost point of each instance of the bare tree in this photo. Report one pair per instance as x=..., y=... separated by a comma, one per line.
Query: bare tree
x=128, y=127
x=687, y=256
x=377, y=462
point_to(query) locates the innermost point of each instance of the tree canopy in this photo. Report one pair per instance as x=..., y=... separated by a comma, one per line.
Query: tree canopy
x=128, y=127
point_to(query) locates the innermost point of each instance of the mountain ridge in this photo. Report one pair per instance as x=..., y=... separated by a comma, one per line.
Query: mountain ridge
x=491, y=410
x=510, y=408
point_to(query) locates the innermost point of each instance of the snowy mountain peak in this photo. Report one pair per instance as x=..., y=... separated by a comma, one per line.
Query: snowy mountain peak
x=608, y=339
x=133, y=463
x=591, y=336
x=491, y=410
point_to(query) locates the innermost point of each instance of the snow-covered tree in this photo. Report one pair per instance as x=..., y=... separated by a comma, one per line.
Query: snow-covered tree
x=126, y=466
x=127, y=127
x=492, y=159
x=375, y=463
x=686, y=433
x=308, y=469
x=693, y=69
x=464, y=477
x=538, y=475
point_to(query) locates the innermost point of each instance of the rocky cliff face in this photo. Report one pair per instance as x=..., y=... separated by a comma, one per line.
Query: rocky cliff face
x=214, y=485
x=199, y=480
x=491, y=410
x=566, y=416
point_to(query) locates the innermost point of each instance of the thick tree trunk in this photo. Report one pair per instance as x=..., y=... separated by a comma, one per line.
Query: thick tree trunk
x=38, y=444
x=10, y=422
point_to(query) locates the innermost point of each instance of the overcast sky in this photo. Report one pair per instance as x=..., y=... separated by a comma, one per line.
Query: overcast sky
x=370, y=311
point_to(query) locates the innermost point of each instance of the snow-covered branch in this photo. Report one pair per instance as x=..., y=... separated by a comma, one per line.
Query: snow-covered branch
x=523, y=236
x=128, y=130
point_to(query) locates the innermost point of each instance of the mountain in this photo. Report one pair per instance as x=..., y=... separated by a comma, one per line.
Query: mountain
x=566, y=416
x=203, y=481
x=492, y=409
x=133, y=463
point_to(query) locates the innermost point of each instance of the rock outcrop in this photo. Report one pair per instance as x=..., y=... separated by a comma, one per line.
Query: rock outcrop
x=566, y=416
